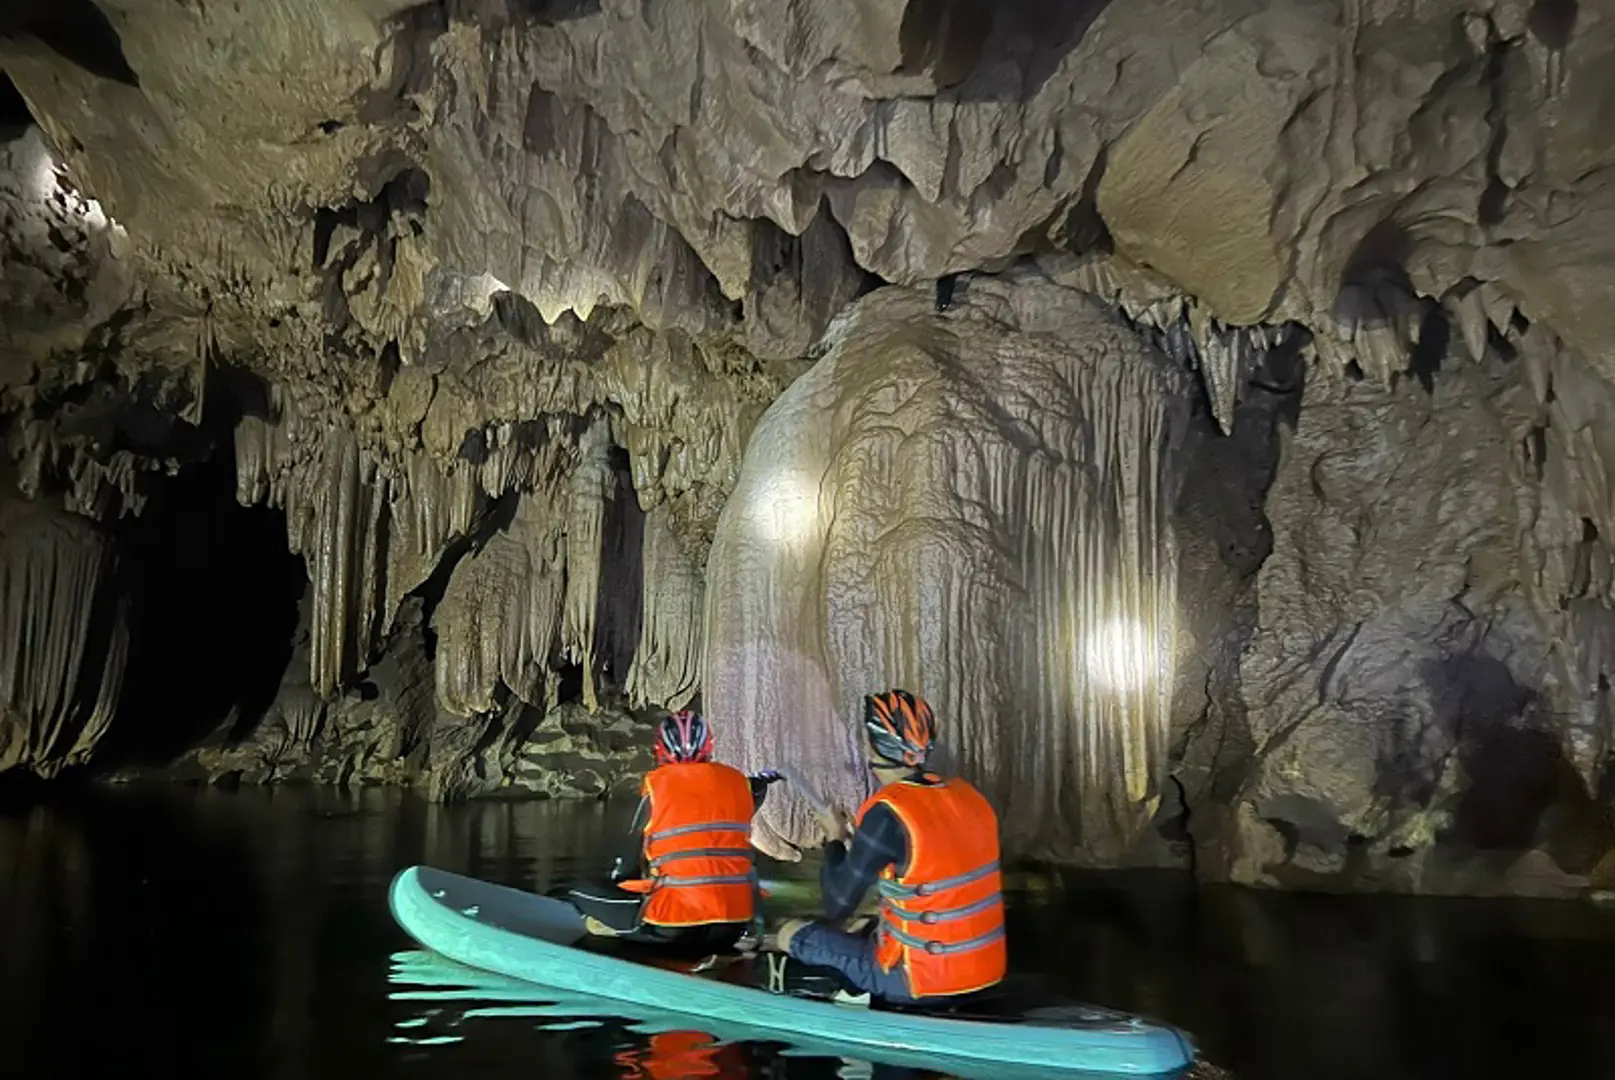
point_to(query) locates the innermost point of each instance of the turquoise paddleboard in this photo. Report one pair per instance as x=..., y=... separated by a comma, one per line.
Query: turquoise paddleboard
x=536, y=939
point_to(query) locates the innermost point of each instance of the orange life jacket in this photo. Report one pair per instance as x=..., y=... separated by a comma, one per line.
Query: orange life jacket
x=672, y=1055
x=942, y=916
x=697, y=846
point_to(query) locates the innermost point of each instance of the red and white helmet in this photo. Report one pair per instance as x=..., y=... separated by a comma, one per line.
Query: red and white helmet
x=683, y=736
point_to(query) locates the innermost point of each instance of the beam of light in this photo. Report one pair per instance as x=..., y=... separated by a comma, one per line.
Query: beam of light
x=786, y=511
x=1122, y=654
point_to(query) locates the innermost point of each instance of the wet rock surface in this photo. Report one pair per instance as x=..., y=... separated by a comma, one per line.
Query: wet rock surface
x=508, y=310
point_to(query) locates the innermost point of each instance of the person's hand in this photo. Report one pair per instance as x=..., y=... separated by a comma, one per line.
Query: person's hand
x=836, y=824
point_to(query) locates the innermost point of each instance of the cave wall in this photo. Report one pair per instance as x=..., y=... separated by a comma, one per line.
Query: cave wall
x=488, y=297
x=1427, y=667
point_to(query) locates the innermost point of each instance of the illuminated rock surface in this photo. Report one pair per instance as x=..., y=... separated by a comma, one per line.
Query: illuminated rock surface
x=591, y=351
x=976, y=506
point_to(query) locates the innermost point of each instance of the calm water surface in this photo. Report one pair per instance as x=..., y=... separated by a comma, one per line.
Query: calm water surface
x=203, y=933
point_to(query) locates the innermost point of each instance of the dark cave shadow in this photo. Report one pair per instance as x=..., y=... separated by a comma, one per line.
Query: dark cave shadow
x=15, y=116
x=620, y=603
x=215, y=600
x=1375, y=277
x=961, y=39
x=551, y=12
x=76, y=30
x=539, y=12
x=1553, y=22
x=1476, y=700
x=1521, y=790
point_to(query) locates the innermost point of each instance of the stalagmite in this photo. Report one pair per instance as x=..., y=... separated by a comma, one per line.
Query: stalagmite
x=63, y=637
x=592, y=483
x=667, y=665
x=975, y=506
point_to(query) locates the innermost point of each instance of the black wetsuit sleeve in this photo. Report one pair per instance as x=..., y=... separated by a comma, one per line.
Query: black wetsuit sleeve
x=759, y=792
x=848, y=872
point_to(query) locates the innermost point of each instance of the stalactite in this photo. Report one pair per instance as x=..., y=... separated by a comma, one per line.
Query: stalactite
x=667, y=665
x=975, y=506
x=98, y=486
x=338, y=539
x=499, y=616
x=429, y=510
x=63, y=637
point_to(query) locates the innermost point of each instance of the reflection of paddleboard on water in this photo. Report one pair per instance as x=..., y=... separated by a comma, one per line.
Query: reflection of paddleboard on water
x=525, y=937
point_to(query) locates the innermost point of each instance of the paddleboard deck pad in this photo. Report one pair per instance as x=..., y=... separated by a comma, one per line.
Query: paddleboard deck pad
x=542, y=940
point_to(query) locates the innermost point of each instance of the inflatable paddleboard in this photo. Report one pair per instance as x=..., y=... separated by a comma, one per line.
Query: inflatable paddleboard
x=536, y=939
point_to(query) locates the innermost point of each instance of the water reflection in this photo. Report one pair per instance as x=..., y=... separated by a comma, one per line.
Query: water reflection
x=203, y=933
x=454, y=994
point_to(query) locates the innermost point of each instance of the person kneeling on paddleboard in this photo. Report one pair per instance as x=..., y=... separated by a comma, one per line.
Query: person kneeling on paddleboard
x=930, y=845
x=698, y=886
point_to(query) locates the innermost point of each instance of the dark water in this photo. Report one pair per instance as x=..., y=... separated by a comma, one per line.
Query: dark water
x=202, y=933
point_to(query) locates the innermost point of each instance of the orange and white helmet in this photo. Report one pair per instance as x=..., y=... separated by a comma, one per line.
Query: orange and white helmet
x=900, y=726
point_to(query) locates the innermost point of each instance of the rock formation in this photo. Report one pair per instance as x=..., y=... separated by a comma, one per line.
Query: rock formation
x=1207, y=404
x=976, y=506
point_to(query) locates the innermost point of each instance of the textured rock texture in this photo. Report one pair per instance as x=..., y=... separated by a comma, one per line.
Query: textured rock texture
x=975, y=505
x=389, y=730
x=516, y=310
x=63, y=637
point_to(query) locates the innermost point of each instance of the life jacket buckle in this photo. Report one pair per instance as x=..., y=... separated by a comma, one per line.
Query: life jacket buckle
x=934, y=948
x=928, y=916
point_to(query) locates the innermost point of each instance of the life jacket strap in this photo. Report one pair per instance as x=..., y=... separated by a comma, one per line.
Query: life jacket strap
x=937, y=948
x=702, y=853
x=892, y=889
x=711, y=826
x=664, y=881
x=945, y=914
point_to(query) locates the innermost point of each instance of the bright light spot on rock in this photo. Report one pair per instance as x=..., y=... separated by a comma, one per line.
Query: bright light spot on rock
x=42, y=177
x=1122, y=655
x=94, y=216
x=480, y=291
x=786, y=511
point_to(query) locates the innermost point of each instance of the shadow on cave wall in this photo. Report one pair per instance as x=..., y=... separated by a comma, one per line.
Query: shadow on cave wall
x=76, y=30
x=961, y=41
x=619, y=606
x=14, y=113
x=1520, y=790
x=214, y=606
x=1224, y=537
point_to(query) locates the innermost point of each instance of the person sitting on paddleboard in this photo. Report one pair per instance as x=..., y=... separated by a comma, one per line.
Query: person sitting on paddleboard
x=698, y=886
x=930, y=845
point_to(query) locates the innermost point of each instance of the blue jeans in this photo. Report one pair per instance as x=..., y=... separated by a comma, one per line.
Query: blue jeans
x=853, y=956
